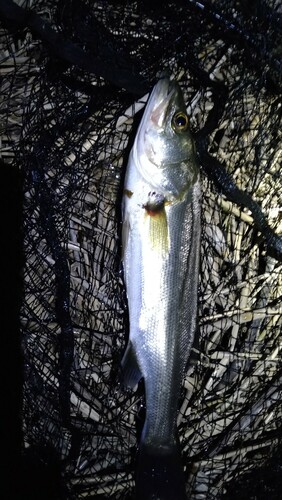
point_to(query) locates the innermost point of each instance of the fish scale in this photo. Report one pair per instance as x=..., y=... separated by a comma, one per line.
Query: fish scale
x=161, y=241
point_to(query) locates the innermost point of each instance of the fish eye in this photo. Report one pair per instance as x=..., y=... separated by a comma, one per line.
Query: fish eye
x=180, y=122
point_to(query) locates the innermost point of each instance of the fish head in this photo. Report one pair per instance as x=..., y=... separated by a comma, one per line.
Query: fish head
x=164, y=150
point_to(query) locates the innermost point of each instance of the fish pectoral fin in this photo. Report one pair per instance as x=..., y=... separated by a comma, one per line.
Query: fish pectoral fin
x=130, y=368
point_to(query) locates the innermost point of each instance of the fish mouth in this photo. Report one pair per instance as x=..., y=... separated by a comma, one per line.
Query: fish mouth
x=164, y=92
x=149, y=141
x=156, y=110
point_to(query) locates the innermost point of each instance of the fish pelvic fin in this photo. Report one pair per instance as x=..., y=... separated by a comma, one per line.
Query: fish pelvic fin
x=130, y=368
x=159, y=474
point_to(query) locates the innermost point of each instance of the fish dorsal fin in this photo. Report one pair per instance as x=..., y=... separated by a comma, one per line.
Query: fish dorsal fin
x=130, y=368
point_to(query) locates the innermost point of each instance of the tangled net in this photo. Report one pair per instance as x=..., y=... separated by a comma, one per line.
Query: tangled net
x=74, y=77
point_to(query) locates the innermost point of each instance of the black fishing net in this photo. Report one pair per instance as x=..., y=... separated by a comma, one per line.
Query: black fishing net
x=74, y=78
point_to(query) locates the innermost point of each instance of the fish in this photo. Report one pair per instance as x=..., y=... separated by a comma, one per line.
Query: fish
x=161, y=215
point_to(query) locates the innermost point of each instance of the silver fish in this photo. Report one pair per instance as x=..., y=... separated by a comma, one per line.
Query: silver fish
x=161, y=241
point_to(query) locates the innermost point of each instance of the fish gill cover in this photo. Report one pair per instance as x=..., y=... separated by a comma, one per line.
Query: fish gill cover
x=74, y=78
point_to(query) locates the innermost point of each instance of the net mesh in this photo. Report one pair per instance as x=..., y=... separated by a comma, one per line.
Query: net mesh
x=74, y=79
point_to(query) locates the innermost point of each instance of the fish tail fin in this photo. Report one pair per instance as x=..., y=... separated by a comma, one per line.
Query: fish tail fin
x=159, y=474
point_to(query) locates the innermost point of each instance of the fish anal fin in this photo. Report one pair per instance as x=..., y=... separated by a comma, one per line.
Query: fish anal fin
x=130, y=368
